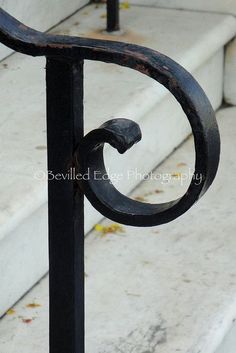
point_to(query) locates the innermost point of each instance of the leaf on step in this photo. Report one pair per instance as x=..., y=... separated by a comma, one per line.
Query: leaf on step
x=10, y=312
x=112, y=228
x=158, y=191
x=27, y=321
x=103, y=15
x=176, y=175
x=99, y=227
x=140, y=198
x=33, y=305
x=124, y=5
x=181, y=164
x=148, y=193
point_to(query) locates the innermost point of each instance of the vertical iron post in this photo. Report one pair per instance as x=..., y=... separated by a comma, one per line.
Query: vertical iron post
x=113, y=20
x=66, y=207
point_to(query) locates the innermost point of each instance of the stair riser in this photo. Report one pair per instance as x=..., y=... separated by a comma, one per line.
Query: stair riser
x=23, y=258
x=230, y=73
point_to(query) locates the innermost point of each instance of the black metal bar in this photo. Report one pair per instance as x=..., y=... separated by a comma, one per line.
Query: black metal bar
x=113, y=16
x=66, y=206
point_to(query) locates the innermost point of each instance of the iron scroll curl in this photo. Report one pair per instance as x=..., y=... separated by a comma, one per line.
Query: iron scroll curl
x=123, y=133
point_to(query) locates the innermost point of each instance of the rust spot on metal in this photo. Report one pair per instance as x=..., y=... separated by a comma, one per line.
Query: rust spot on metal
x=138, y=55
x=60, y=46
x=54, y=45
x=141, y=68
x=173, y=83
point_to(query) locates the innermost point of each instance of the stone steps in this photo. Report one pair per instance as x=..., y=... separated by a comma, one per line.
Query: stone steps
x=195, y=40
x=165, y=289
x=225, y=7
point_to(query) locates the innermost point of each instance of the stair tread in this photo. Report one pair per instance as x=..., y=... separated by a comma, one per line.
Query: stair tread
x=165, y=289
x=190, y=38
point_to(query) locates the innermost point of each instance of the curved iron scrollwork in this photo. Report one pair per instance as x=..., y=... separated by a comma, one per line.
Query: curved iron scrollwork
x=161, y=68
x=66, y=145
x=123, y=134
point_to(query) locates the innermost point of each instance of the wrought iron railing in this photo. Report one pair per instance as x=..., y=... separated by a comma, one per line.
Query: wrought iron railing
x=113, y=21
x=68, y=147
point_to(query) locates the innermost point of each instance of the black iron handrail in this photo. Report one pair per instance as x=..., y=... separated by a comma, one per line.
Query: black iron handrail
x=68, y=147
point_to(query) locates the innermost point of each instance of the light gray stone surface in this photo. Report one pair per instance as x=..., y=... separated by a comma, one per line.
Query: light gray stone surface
x=226, y=6
x=229, y=342
x=109, y=91
x=164, y=289
x=39, y=14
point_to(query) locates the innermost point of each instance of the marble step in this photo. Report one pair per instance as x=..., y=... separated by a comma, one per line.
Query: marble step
x=195, y=40
x=40, y=14
x=165, y=289
x=228, y=6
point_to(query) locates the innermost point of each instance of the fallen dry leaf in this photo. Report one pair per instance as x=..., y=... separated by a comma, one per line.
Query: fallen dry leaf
x=124, y=5
x=181, y=164
x=27, y=321
x=140, y=198
x=33, y=305
x=176, y=175
x=10, y=312
x=149, y=193
x=158, y=191
x=113, y=228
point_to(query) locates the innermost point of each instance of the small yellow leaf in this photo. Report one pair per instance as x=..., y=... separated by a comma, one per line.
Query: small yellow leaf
x=140, y=198
x=10, y=312
x=112, y=228
x=124, y=5
x=99, y=227
x=176, y=175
